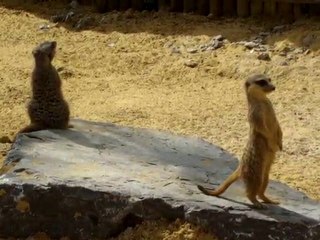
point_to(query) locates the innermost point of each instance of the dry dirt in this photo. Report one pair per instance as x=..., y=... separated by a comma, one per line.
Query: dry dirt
x=122, y=70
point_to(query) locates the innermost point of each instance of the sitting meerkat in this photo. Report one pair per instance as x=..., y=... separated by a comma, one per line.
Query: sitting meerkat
x=47, y=108
x=265, y=139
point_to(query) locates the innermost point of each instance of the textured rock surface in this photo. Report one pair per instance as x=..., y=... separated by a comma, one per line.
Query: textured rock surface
x=97, y=179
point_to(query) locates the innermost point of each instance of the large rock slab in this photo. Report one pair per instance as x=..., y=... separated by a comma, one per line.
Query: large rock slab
x=97, y=179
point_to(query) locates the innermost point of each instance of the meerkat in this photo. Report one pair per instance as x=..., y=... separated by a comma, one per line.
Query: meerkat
x=265, y=139
x=47, y=108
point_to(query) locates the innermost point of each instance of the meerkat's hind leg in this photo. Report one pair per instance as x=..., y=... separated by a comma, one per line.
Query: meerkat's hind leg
x=266, y=199
x=224, y=186
x=265, y=181
x=255, y=202
x=252, y=191
x=253, y=183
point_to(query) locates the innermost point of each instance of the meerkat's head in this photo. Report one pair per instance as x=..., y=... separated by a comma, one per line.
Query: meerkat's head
x=45, y=51
x=259, y=85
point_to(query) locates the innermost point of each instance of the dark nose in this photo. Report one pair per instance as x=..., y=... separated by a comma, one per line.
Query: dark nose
x=273, y=88
x=54, y=44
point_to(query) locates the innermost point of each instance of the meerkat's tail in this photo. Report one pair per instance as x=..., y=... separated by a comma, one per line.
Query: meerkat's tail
x=27, y=129
x=31, y=128
x=224, y=186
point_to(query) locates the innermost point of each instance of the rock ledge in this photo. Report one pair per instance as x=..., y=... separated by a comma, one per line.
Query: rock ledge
x=97, y=179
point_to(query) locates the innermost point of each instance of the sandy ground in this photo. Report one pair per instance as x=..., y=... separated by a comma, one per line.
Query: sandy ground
x=123, y=70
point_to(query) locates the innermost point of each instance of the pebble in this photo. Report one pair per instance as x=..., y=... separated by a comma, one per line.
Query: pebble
x=250, y=45
x=175, y=50
x=210, y=16
x=219, y=38
x=44, y=27
x=129, y=13
x=57, y=18
x=308, y=40
x=307, y=52
x=74, y=4
x=298, y=51
x=191, y=63
x=69, y=15
x=84, y=22
x=264, y=57
x=291, y=57
x=284, y=63
x=192, y=50
x=264, y=34
x=279, y=28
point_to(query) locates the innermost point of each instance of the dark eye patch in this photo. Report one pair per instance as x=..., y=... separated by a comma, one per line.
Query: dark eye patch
x=262, y=83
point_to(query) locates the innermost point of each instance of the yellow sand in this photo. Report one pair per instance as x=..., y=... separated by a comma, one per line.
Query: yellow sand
x=123, y=71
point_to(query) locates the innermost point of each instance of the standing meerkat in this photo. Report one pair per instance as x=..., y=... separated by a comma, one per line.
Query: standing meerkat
x=47, y=108
x=265, y=139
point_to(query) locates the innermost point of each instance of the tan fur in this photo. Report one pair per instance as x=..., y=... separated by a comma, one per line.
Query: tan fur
x=265, y=139
x=47, y=108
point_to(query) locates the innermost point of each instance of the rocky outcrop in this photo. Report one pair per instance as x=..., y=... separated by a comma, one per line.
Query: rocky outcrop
x=97, y=179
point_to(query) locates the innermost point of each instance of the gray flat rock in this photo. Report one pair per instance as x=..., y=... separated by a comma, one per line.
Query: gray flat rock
x=97, y=179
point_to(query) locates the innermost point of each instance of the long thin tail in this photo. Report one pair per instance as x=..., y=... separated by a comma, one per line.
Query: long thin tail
x=224, y=186
x=29, y=128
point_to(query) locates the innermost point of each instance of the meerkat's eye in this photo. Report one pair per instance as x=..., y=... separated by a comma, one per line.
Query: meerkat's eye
x=262, y=82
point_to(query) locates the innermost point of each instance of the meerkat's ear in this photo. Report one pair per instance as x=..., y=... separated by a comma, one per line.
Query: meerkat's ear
x=53, y=44
x=35, y=52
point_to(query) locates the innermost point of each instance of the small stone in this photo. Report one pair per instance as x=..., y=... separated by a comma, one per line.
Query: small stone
x=225, y=41
x=215, y=45
x=176, y=50
x=291, y=57
x=111, y=45
x=192, y=50
x=168, y=44
x=44, y=27
x=218, y=37
x=287, y=49
x=257, y=40
x=283, y=54
x=264, y=57
x=65, y=73
x=203, y=47
x=84, y=23
x=57, y=18
x=307, y=52
x=191, y=63
x=261, y=48
x=250, y=45
x=279, y=28
x=210, y=16
x=298, y=51
x=129, y=13
x=308, y=40
x=60, y=69
x=69, y=16
x=264, y=34
x=284, y=63
x=74, y=4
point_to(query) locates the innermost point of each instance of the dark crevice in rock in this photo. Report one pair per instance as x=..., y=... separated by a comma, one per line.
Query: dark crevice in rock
x=129, y=221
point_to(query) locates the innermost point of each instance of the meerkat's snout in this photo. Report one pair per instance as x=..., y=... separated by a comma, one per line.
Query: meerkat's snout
x=272, y=87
